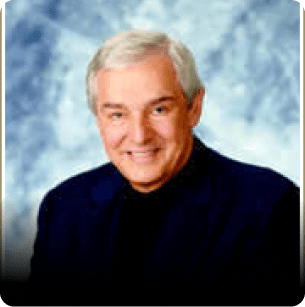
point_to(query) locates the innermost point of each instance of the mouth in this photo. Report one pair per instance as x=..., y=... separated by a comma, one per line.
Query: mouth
x=142, y=156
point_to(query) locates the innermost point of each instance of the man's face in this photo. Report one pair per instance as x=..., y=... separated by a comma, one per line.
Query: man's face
x=144, y=121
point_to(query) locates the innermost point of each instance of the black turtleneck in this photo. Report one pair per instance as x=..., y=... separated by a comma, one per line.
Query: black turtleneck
x=142, y=217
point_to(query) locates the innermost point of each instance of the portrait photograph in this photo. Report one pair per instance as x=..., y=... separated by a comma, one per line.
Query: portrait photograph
x=152, y=152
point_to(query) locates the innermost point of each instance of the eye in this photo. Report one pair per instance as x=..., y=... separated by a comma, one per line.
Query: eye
x=116, y=115
x=159, y=110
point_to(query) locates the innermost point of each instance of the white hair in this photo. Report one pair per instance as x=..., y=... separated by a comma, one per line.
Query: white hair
x=132, y=46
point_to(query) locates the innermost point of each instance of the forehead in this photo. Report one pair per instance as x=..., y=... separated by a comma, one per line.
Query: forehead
x=144, y=80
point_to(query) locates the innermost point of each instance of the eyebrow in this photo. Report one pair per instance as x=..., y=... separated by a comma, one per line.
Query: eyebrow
x=114, y=105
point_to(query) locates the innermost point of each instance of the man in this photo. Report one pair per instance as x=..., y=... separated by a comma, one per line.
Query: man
x=169, y=220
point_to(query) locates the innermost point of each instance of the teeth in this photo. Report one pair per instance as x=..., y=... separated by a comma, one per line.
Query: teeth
x=141, y=154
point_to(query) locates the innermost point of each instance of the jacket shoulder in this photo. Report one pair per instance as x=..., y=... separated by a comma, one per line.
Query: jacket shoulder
x=81, y=186
x=253, y=194
x=247, y=175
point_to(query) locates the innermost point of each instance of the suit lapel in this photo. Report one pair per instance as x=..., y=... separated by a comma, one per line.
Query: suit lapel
x=100, y=225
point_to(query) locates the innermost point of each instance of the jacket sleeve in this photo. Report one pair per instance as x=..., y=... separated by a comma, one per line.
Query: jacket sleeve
x=39, y=265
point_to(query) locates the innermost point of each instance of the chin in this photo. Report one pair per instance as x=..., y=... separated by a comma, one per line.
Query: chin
x=145, y=181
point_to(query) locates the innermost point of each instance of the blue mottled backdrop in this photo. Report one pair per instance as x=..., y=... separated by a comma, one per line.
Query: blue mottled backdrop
x=247, y=54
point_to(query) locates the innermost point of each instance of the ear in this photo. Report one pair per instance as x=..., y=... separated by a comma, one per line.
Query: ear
x=196, y=108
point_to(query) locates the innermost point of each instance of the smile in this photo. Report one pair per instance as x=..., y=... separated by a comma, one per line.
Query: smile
x=142, y=156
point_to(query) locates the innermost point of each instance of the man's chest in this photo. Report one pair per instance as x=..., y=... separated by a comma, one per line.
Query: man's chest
x=151, y=245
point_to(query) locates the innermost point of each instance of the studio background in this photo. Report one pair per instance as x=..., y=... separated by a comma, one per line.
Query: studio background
x=247, y=53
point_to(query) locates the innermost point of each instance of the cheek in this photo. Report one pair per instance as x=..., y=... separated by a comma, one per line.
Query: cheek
x=112, y=136
x=165, y=130
x=171, y=130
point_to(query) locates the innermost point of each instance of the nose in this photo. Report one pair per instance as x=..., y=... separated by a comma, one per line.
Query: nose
x=140, y=129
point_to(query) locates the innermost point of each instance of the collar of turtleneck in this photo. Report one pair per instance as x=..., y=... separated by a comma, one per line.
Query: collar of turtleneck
x=184, y=177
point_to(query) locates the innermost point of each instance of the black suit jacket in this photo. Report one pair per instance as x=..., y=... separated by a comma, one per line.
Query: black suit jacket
x=232, y=236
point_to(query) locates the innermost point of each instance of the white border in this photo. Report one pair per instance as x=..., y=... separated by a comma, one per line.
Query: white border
x=301, y=146
x=3, y=141
x=301, y=149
